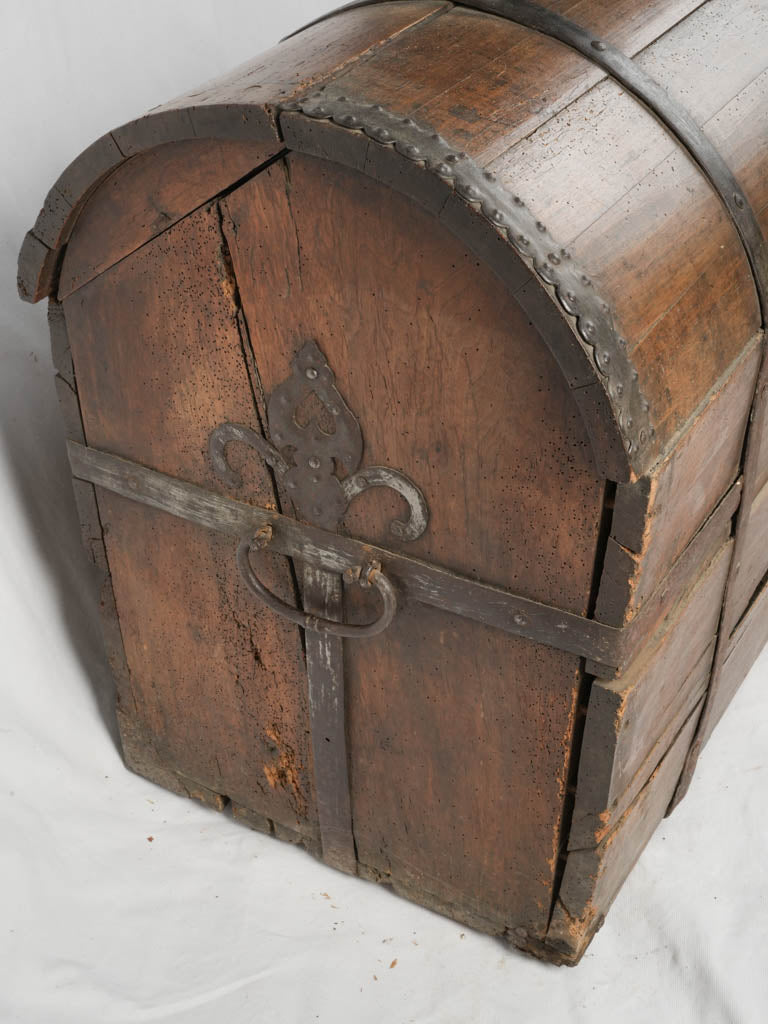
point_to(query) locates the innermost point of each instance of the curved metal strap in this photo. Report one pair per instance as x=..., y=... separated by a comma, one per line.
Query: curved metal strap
x=383, y=476
x=370, y=577
x=672, y=114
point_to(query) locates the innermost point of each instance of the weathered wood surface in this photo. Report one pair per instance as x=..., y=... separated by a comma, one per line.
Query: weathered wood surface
x=746, y=643
x=324, y=252
x=656, y=517
x=593, y=877
x=205, y=660
x=148, y=193
x=682, y=575
x=627, y=716
x=237, y=107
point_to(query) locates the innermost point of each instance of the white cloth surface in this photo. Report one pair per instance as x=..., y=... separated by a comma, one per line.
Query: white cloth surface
x=208, y=921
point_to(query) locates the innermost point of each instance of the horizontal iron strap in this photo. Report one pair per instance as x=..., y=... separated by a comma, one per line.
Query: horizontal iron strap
x=419, y=581
x=673, y=115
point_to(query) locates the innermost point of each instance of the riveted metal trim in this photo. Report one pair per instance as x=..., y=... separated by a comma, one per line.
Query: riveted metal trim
x=508, y=215
x=631, y=76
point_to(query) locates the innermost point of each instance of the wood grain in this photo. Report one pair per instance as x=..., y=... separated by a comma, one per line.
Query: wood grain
x=593, y=877
x=627, y=716
x=427, y=348
x=148, y=193
x=216, y=680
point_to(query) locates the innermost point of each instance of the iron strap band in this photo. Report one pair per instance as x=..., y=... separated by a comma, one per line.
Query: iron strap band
x=631, y=76
x=416, y=580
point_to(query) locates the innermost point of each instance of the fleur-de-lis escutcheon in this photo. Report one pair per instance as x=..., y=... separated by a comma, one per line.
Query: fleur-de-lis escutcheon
x=318, y=461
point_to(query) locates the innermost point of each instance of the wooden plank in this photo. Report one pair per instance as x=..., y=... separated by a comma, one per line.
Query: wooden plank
x=593, y=877
x=486, y=83
x=587, y=154
x=217, y=683
x=685, y=572
x=753, y=563
x=147, y=194
x=656, y=517
x=592, y=821
x=746, y=643
x=626, y=717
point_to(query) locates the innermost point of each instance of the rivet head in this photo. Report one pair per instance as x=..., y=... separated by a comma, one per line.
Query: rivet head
x=564, y=254
x=349, y=120
x=523, y=240
x=628, y=422
x=497, y=217
x=738, y=200
x=598, y=44
x=518, y=619
x=311, y=373
x=489, y=176
x=411, y=151
x=540, y=226
x=377, y=107
x=619, y=389
x=585, y=280
x=341, y=99
x=444, y=170
x=382, y=134
x=588, y=328
x=517, y=201
x=452, y=158
x=643, y=437
x=407, y=121
x=313, y=462
x=570, y=296
x=645, y=404
x=554, y=258
x=604, y=359
x=471, y=192
x=291, y=485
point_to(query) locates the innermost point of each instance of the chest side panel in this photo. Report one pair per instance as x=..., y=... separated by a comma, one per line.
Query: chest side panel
x=159, y=362
x=459, y=735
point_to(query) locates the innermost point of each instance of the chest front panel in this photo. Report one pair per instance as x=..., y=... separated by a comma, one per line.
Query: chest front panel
x=459, y=735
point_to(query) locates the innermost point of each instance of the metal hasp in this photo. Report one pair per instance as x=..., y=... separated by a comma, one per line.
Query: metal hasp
x=308, y=457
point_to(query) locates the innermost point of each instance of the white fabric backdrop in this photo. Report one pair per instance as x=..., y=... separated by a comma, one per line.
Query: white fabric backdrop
x=209, y=921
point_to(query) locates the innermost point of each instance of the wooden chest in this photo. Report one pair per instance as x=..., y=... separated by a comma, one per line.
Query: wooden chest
x=413, y=380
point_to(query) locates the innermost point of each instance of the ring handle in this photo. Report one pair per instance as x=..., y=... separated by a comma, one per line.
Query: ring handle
x=370, y=576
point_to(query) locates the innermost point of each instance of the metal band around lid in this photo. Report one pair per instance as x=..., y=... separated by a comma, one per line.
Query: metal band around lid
x=631, y=76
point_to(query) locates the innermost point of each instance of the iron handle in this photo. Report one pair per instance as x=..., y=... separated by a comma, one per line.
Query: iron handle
x=370, y=576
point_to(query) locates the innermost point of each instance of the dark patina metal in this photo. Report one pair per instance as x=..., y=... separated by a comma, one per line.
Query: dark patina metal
x=414, y=580
x=317, y=456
